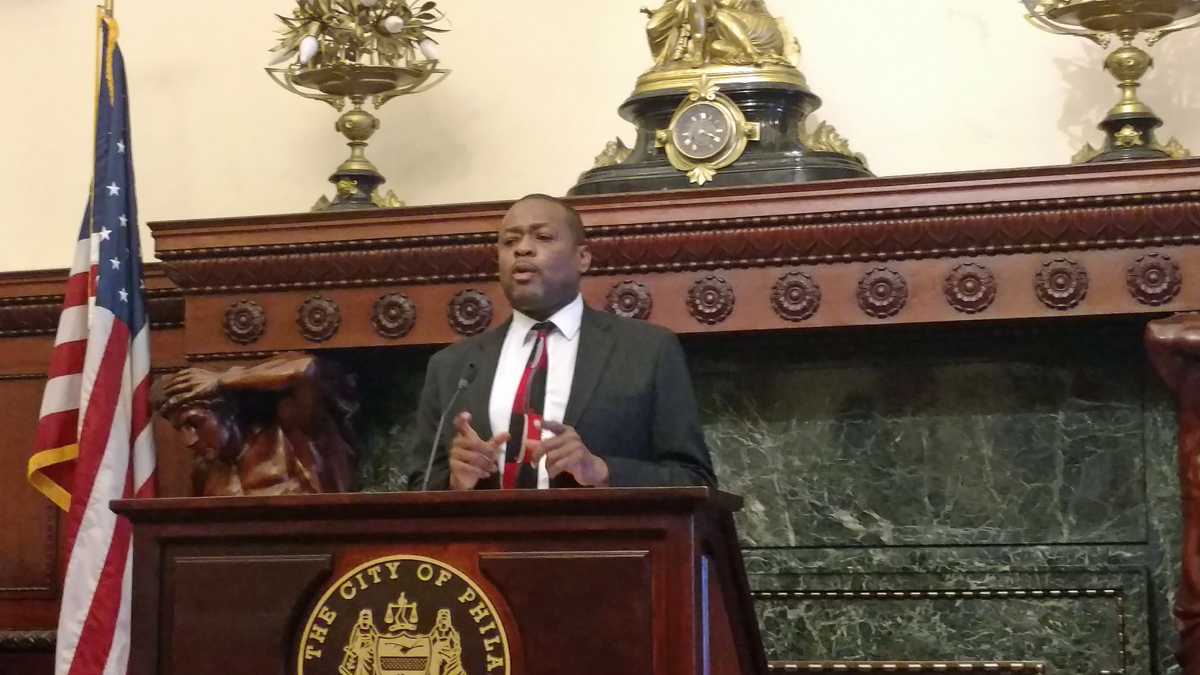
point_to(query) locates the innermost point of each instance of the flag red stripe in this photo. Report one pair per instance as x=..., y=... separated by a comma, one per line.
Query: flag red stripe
x=140, y=406
x=67, y=359
x=77, y=290
x=96, y=637
x=57, y=429
x=148, y=488
x=97, y=425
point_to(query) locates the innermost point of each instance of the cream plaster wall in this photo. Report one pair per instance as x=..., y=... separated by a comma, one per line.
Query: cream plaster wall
x=919, y=86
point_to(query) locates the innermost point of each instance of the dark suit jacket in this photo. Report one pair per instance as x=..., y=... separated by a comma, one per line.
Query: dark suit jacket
x=631, y=402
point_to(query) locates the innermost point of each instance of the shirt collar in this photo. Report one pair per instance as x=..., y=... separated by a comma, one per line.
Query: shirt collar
x=567, y=320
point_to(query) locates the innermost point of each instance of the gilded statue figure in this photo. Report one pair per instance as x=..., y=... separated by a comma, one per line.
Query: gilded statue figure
x=447, y=646
x=694, y=33
x=1173, y=345
x=276, y=428
x=359, y=653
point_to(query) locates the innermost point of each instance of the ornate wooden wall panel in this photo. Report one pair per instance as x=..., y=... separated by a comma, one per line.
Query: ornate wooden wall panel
x=28, y=568
x=1013, y=245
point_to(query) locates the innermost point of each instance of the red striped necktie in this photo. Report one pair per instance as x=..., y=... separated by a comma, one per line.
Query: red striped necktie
x=528, y=406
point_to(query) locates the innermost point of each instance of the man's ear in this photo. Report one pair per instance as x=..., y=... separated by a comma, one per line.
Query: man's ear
x=585, y=258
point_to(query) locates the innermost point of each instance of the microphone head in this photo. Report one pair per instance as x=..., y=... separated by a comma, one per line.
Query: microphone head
x=468, y=375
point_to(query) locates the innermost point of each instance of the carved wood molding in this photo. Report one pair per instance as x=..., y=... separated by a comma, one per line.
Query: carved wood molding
x=30, y=302
x=903, y=233
x=27, y=640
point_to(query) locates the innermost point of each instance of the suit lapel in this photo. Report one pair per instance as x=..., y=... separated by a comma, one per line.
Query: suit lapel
x=595, y=346
x=479, y=394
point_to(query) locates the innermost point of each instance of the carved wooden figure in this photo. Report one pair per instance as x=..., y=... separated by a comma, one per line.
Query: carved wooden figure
x=1173, y=344
x=278, y=427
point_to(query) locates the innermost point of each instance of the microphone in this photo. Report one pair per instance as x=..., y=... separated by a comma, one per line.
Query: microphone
x=467, y=377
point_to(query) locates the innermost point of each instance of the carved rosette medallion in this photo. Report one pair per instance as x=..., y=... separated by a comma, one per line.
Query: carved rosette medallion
x=795, y=297
x=631, y=300
x=1154, y=279
x=1061, y=284
x=710, y=300
x=470, y=312
x=245, y=321
x=319, y=318
x=403, y=614
x=970, y=288
x=394, y=315
x=882, y=293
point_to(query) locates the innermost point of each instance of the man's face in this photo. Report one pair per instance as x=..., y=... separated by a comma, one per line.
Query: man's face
x=540, y=260
x=203, y=433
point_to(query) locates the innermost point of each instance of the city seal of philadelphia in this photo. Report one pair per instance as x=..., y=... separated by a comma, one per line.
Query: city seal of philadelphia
x=403, y=615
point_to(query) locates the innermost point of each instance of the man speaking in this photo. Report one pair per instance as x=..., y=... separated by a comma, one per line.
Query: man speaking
x=561, y=395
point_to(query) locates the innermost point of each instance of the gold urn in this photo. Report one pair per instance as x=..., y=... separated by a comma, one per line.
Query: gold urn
x=1129, y=125
x=349, y=52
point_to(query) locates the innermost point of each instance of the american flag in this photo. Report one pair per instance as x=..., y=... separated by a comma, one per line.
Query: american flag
x=94, y=440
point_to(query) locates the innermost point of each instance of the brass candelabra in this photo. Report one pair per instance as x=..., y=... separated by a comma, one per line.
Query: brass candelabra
x=351, y=52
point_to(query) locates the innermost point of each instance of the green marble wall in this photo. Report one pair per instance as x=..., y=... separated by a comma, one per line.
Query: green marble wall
x=968, y=494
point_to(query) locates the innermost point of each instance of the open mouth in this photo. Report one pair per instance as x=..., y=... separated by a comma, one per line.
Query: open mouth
x=524, y=272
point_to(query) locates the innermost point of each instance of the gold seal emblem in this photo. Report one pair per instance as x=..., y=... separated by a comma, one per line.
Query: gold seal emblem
x=435, y=621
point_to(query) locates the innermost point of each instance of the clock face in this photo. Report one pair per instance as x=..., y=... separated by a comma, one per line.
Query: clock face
x=703, y=131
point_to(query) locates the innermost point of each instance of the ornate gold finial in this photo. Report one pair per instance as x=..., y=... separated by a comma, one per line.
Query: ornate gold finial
x=1086, y=154
x=704, y=89
x=386, y=201
x=1175, y=149
x=1128, y=137
x=825, y=138
x=615, y=152
x=702, y=174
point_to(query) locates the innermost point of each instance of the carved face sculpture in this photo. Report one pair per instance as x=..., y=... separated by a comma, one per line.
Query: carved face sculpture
x=541, y=259
x=206, y=433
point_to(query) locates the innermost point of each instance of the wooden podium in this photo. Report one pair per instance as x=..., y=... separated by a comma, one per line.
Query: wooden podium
x=521, y=582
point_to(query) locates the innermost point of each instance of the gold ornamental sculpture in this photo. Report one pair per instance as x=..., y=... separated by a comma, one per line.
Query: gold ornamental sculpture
x=1130, y=124
x=351, y=51
x=723, y=104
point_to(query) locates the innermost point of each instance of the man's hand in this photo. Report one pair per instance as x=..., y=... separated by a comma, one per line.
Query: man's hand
x=472, y=459
x=566, y=453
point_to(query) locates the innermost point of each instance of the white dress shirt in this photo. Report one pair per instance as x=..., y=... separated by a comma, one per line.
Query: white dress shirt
x=562, y=345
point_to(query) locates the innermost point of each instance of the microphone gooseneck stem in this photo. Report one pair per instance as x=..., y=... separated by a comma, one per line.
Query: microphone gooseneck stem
x=463, y=382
